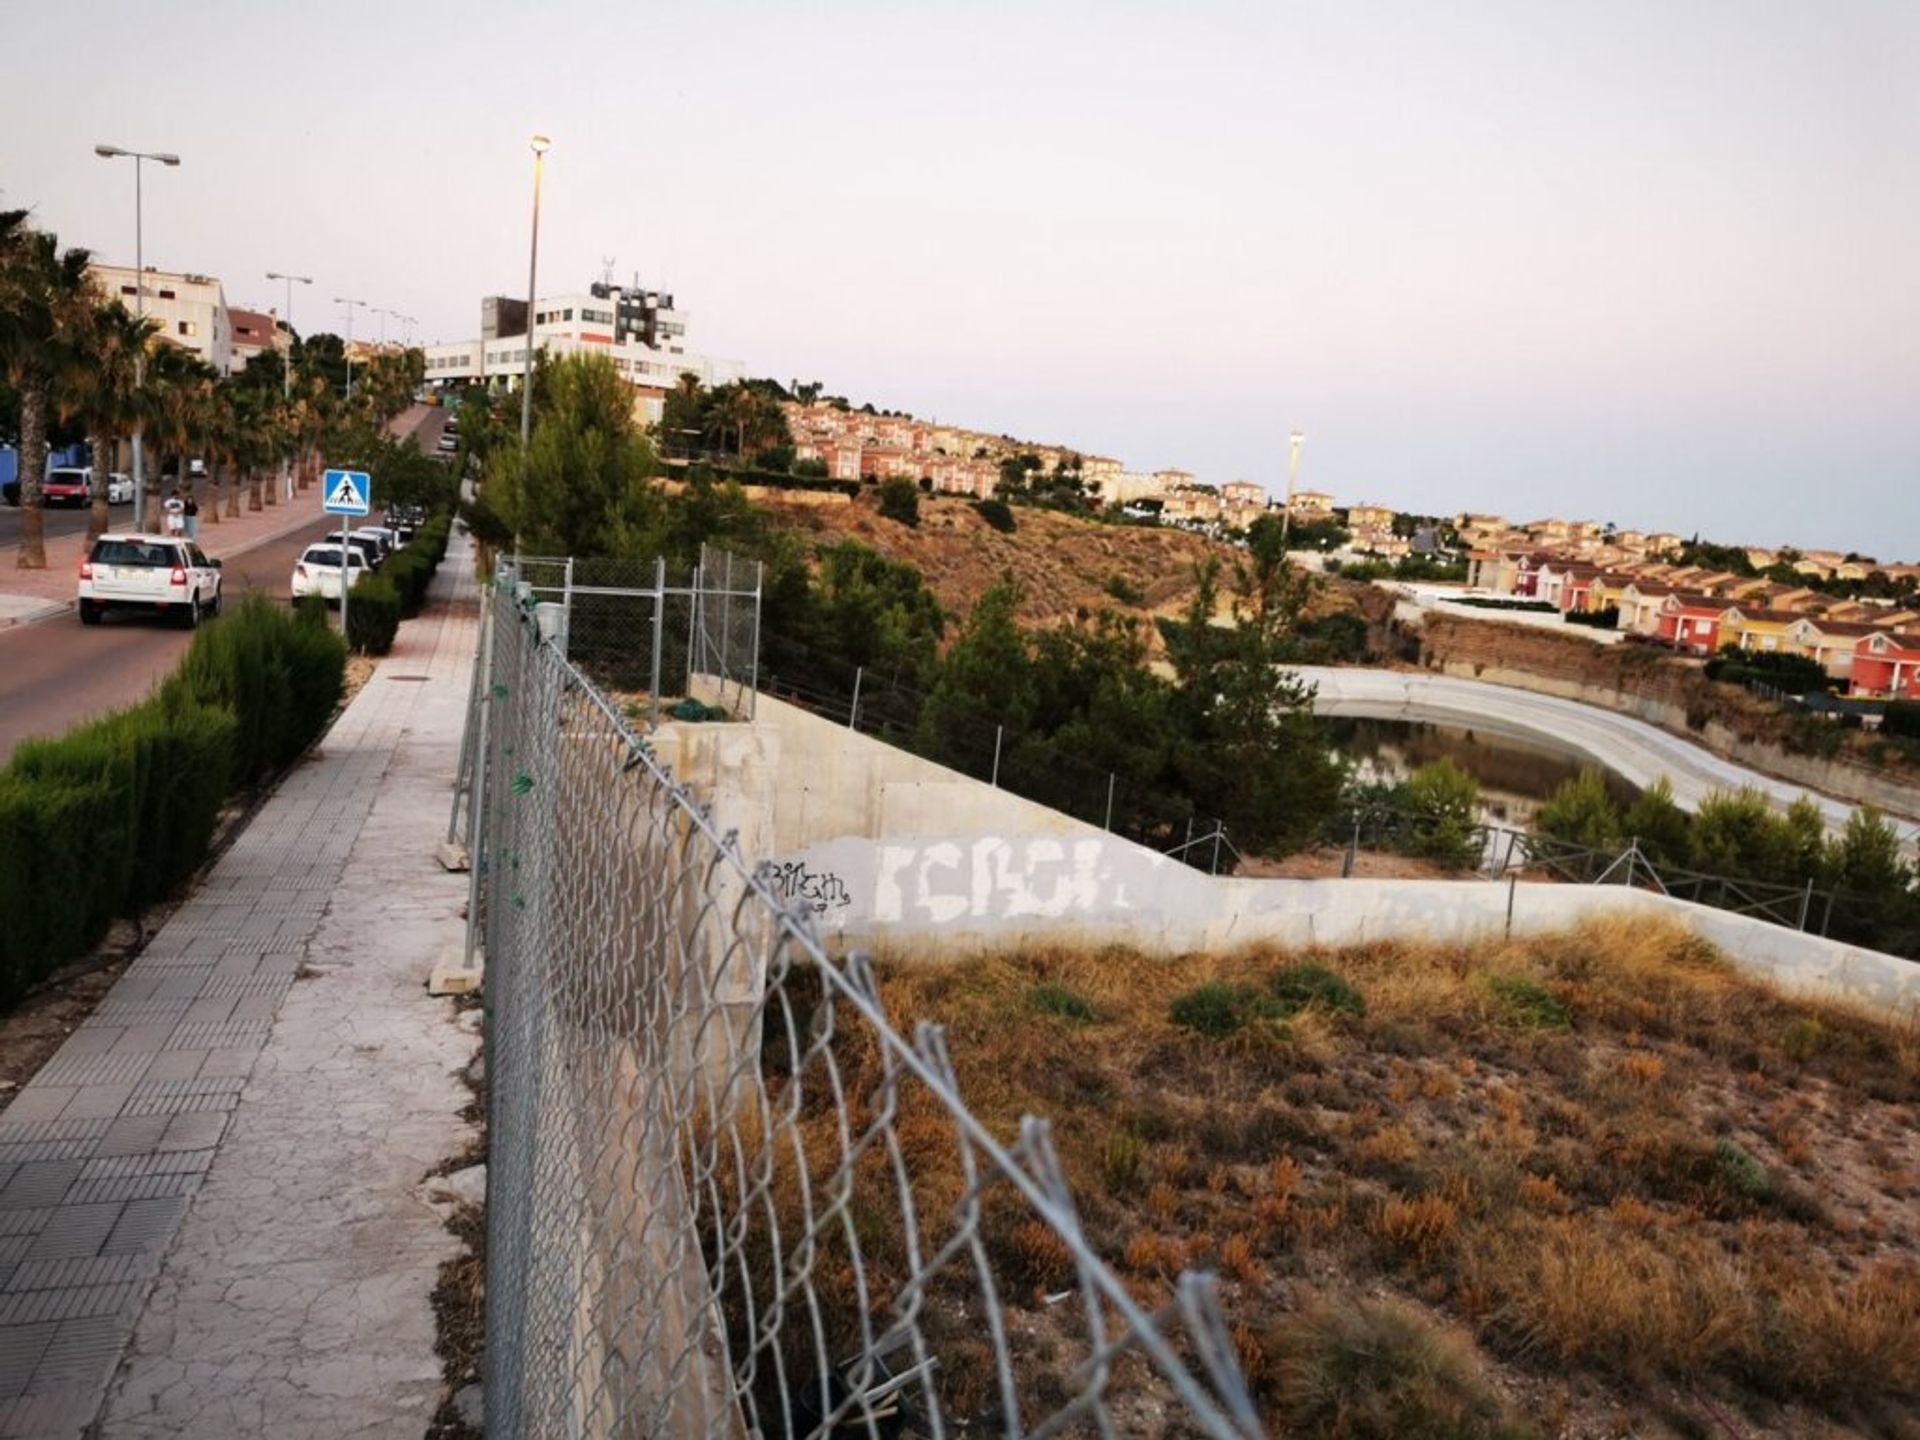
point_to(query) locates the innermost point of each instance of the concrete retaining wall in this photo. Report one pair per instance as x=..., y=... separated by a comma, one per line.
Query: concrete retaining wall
x=891, y=851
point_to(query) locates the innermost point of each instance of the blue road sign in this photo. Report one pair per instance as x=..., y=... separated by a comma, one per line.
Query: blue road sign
x=346, y=492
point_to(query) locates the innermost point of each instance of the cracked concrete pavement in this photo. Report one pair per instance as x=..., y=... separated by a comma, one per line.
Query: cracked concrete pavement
x=212, y=1216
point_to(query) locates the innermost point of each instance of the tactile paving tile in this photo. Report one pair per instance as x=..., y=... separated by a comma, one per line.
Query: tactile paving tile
x=81, y=1270
x=73, y=1231
x=84, y=1352
x=21, y=1347
x=145, y=1225
x=137, y=1012
x=25, y=1307
x=180, y=1104
x=172, y=1162
x=219, y=1035
x=39, y=1184
x=94, y=1069
x=47, y=1150
x=18, y=1131
x=138, y=1187
x=23, y=1222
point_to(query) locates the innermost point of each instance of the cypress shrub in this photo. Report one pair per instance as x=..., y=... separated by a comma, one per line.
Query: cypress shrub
x=51, y=910
x=373, y=615
x=241, y=663
x=409, y=572
x=89, y=889
x=317, y=673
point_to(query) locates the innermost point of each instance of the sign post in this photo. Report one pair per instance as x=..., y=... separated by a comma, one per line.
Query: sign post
x=344, y=493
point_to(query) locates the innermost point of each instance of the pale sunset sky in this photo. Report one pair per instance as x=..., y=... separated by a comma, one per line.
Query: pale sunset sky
x=1653, y=261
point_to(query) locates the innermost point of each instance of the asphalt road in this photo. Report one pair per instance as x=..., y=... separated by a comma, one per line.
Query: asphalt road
x=55, y=673
x=60, y=521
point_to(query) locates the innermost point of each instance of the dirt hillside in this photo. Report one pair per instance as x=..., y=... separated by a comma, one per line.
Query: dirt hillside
x=1064, y=564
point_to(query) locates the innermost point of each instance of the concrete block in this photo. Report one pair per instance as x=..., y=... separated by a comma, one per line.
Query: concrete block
x=452, y=856
x=450, y=973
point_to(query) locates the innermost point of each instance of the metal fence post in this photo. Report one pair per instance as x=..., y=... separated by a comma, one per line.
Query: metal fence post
x=999, y=731
x=1109, y=821
x=753, y=671
x=659, y=639
x=726, y=624
x=1806, y=904
x=566, y=610
x=1217, y=831
x=853, y=713
x=1513, y=884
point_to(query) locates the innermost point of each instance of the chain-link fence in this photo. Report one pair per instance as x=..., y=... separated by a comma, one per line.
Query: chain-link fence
x=726, y=1195
x=639, y=628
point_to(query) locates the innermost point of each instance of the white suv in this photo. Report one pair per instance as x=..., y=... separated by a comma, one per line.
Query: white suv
x=317, y=572
x=161, y=574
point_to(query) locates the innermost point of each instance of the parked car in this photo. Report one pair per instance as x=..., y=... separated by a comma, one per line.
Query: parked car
x=160, y=574
x=317, y=572
x=388, y=540
x=67, y=485
x=369, y=548
x=119, y=489
x=448, y=443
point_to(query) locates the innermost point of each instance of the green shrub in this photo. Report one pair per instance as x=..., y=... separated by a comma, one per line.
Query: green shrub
x=1123, y=589
x=1059, y=1000
x=900, y=500
x=998, y=514
x=1581, y=812
x=53, y=904
x=1300, y=987
x=1740, y=1172
x=409, y=572
x=373, y=615
x=1529, y=1002
x=1217, y=1009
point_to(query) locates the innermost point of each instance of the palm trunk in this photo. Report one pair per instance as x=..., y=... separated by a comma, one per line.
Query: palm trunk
x=253, y=488
x=33, y=469
x=276, y=482
x=233, y=496
x=105, y=452
x=216, y=481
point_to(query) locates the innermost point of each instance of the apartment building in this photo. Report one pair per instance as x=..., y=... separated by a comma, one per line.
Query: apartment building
x=191, y=310
x=640, y=331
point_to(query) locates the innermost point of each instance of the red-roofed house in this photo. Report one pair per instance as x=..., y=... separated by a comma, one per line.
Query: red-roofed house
x=1886, y=665
x=1691, y=622
x=253, y=331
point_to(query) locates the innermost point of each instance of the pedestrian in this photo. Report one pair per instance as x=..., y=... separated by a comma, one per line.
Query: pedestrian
x=176, y=513
x=191, y=510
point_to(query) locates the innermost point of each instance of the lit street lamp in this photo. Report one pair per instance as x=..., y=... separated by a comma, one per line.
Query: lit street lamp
x=1294, y=442
x=114, y=152
x=540, y=144
x=341, y=300
x=286, y=368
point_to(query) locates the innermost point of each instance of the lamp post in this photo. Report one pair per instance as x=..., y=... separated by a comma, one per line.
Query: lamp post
x=1294, y=442
x=114, y=152
x=540, y=144
x=286, y=369
x=341, y=300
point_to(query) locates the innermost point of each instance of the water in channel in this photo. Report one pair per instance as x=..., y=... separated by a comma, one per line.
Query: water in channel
x=1516, y=776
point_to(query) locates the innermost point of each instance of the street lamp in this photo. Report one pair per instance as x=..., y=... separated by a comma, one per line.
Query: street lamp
x=114, y=152
x=341, y=300
x=286, y=369
x=540, y=144
x=1294, y=442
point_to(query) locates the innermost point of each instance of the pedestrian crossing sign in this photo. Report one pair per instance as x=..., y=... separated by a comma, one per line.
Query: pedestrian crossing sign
x=346, y=492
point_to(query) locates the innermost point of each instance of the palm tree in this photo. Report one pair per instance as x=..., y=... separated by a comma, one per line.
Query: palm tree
x=44, y=295
x=100, y=382
x=177, y=385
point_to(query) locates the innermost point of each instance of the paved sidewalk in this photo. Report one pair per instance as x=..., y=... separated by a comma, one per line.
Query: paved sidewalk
x=211, y=1220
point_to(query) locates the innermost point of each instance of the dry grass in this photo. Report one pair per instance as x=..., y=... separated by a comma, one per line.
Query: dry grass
x=1639, y=1183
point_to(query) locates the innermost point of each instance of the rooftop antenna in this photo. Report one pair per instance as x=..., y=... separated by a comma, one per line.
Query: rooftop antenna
x=606, y=271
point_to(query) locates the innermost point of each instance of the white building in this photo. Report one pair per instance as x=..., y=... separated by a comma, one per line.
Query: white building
x=639, y=331
x=191, y=309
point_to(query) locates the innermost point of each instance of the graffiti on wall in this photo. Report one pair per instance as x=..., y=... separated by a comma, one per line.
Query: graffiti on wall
x=817, y=890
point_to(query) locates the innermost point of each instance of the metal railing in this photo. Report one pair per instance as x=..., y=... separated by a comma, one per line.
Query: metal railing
x=727, y=1197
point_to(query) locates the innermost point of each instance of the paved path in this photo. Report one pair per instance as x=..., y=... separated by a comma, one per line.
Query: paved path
x=209, y=1198
x=1640, y=752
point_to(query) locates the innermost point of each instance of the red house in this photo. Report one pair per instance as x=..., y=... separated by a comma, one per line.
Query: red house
x=1691, y=622
x=1886, y=666
x=1576, y=590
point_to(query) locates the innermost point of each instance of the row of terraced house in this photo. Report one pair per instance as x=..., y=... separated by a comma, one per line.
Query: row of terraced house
x=1872, y=647
x=861, y=445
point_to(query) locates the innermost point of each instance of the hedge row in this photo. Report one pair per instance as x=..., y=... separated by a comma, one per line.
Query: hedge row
x=380, y=602
x=119, y=812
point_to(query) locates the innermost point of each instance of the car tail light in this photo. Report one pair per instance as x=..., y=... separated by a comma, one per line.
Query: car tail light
x=301, y=571
x=86, y=569
x=179, y=576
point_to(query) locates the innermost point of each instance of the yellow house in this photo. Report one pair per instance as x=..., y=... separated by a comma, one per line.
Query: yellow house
x=1753, y=628
x=1370, y=517
x=1831, y=642
x=1610, y=591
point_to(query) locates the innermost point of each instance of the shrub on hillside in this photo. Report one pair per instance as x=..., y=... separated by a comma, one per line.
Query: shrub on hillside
x=900, y=500
x=998, y=514
x=1581, y=812
x=1300, y=987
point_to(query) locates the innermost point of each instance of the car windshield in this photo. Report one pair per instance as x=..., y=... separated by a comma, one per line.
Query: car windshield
x=66, y=477
x=133, y=552
x=329, y=555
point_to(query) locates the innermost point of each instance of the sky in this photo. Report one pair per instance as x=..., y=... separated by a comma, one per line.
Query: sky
x=1649, y=261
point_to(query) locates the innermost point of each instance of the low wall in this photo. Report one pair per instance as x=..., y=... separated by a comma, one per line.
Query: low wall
x=951, y=895
x=893, y=852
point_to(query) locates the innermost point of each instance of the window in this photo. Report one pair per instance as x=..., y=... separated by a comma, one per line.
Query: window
x=569, y=314
x=166, y=294
x=188, y=327
x=126, y=290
